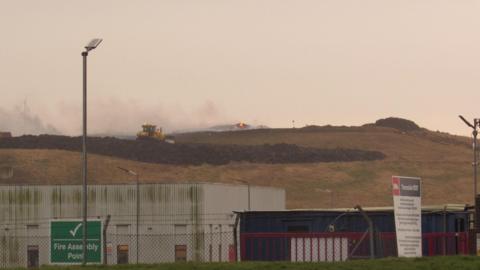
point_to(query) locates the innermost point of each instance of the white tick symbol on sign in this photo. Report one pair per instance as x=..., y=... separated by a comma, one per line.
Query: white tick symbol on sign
x=74, y=231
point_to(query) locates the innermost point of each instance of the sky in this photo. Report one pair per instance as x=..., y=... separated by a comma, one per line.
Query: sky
x=193, y=64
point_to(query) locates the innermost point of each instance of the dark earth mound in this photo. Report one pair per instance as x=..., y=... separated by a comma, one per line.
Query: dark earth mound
x=190, y=154
x=398, y=123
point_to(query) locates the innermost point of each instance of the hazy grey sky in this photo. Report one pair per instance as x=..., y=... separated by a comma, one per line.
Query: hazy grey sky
x=184, y=64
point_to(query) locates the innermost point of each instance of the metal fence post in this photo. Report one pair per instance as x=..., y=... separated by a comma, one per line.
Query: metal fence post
x=371, y=230
x=235, y=235
x=107, y=221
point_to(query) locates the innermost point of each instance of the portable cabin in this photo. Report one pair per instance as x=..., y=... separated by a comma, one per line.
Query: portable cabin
x=270, y=235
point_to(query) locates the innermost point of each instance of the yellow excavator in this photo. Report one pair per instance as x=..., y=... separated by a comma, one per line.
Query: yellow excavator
x=150, y=131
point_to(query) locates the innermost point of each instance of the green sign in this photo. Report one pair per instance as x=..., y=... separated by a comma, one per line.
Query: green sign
x=66, y=241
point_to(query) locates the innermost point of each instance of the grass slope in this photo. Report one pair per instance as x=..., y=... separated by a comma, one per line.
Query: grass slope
x=443, y=161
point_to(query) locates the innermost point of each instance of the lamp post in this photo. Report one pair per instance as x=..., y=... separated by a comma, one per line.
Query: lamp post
x=90, y=46
x=138, y=204
x=476, y=124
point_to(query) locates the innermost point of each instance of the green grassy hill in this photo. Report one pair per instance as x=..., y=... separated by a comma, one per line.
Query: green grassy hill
x=443, y=162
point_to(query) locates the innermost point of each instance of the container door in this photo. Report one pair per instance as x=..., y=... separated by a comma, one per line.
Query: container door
x=122, y=254
x=180, y=253
x=32, y=257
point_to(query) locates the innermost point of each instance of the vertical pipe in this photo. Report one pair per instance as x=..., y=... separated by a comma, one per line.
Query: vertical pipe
x=138, y=213
x=84, y=171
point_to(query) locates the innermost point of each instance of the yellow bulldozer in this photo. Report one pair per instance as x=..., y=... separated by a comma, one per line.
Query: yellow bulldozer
x=150, y=131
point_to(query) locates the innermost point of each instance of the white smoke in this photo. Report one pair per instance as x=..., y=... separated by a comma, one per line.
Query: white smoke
x=21, y=120
x=110, y=116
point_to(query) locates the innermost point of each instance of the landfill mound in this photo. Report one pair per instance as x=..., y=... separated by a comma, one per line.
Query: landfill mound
x=398, y=123
x=153, y=151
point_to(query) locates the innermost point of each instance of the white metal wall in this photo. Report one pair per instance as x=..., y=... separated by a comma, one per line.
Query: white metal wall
x=205, y=210
x=235, y=198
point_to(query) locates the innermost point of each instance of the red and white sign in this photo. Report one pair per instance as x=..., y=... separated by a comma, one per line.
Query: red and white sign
x=408, y=215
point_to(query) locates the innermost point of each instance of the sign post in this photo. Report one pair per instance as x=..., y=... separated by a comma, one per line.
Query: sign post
x=408, y=215
x=66, y=241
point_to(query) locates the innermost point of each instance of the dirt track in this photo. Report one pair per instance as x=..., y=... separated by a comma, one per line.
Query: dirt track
x=191, y=154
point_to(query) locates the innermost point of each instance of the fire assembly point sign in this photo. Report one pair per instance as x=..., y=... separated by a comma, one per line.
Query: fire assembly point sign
x=66, y=241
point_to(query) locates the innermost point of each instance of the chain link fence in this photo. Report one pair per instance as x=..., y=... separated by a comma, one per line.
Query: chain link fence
x=160, y=248
x=212, y=243
x=33, y=246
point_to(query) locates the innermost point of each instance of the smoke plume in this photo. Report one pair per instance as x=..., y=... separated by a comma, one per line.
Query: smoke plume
x=20, y=120
x=109, y=116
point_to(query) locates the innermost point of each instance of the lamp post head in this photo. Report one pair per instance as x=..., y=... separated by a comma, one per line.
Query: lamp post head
x=468, y=123
x=93, y=44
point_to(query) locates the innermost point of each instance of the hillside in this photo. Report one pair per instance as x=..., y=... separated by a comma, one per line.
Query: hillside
x=442, y=160
x=155, y=151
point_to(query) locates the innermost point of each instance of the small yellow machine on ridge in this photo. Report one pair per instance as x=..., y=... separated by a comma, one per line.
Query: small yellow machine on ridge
x=150, y=131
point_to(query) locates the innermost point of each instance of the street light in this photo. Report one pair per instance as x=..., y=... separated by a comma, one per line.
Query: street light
x=90, y=46
x=138, y=202
x=476, y=124
x=93, y=44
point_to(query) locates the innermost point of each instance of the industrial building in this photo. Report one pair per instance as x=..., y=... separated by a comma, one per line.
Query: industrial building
x=176, y=222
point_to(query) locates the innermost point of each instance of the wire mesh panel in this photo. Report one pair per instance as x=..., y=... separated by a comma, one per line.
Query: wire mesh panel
x=163, y=248
x=24, y=251
x=300, y=247
x=316, y=249
x=18, y=249
x=216, y=243
x=332, y=247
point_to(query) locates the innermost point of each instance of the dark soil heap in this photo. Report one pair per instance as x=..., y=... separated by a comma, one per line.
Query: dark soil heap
x=398, y=123
x=191, y=154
